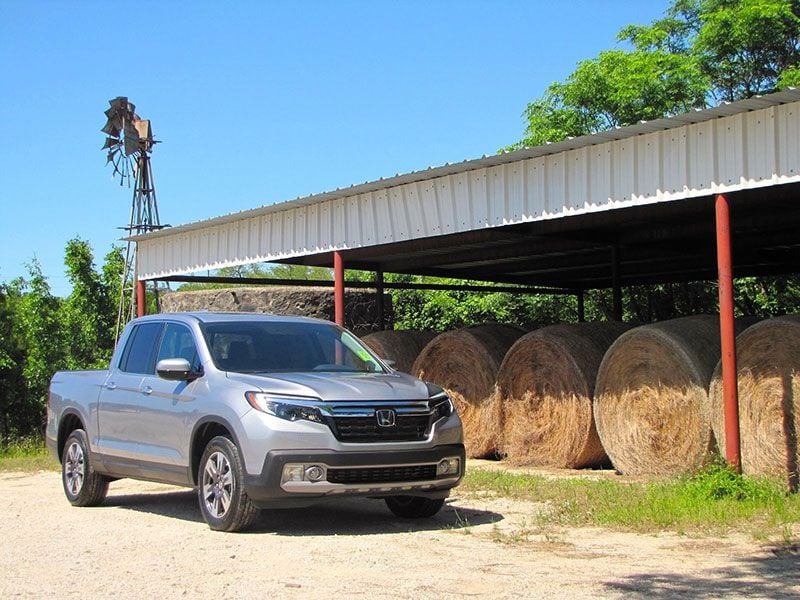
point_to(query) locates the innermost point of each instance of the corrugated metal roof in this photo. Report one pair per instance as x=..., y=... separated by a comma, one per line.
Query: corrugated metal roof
x=616, y=134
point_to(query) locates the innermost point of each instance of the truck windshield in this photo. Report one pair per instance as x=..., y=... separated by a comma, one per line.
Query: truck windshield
x=277, y=346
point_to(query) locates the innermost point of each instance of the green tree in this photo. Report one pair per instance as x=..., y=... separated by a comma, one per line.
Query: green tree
x=90, y=311
x=41, y=333
x=11, y=361
x=701, y=52
x=41, y=336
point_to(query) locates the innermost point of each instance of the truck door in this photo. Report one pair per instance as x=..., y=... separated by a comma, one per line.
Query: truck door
x=120, y=406
x=143, y=419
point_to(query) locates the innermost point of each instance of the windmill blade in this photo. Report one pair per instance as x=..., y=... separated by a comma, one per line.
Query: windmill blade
x=110, y=143
x=132, y=145
x=111, y=128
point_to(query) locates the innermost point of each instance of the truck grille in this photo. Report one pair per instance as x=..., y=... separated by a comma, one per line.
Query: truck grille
x=382, y=474
x=407, y=428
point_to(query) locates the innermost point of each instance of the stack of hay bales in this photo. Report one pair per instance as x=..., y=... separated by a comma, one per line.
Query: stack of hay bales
x=546, y=386
x=465, y=362
x=651, y=398
x=401, y=347
x=768, y=372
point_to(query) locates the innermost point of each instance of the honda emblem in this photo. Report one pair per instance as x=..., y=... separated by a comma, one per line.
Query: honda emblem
x=385, y=417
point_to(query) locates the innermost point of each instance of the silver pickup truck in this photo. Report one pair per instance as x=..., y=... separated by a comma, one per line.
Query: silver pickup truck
x=255, y=411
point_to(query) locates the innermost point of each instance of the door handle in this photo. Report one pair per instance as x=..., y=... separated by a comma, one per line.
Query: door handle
x=147, y=390
x=111, y=385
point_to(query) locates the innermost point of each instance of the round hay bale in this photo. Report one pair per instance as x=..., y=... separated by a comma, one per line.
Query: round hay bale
x=465, y=363
x=651, y=401
x=768, y=372
x=402, y=347
x=546, y=386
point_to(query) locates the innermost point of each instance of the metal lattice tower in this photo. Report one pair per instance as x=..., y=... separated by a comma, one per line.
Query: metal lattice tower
x=129, y=144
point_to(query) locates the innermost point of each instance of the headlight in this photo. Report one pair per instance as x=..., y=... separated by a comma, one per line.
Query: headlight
x=441, y=405
x=288, y=408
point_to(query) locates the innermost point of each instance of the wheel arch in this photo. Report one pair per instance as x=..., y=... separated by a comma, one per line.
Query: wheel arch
x=204, y=431
x=70, y=421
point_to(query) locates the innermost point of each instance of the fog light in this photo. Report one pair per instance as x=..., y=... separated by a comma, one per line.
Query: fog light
x=292, y=473
x=447, y=466
x=315, y=473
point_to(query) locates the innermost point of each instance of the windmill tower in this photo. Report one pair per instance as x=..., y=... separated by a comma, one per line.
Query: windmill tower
x=129, y=143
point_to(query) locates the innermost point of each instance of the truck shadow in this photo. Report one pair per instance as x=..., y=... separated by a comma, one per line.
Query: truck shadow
x=342, y=516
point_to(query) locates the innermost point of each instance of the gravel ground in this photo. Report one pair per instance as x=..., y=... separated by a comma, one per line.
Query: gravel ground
x=148, y=540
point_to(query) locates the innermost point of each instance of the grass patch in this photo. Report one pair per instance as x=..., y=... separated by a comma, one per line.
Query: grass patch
x=716, y=501
x=27, y=455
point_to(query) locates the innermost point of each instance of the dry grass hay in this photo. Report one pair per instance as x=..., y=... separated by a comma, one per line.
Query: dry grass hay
x=768, y=369
x=651, y=400
x=465, y=363
x=402, y=347
x=545, y=386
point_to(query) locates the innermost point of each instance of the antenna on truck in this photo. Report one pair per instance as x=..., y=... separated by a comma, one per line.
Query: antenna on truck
x=129, y=142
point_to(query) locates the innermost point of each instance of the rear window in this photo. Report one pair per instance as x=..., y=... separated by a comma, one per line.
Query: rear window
x=139, y=354
x=270, y=347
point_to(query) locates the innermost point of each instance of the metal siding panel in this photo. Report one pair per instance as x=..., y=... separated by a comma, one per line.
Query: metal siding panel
x=367, y=218
x=301, y=230
x=674, y=161
x=760, y=146
x=555, y=191
x=535, y=200
x=413, y=208
x=353, y=228
x=325, y=226
x=287, y=230
x=496, y=196
x=600, y=175
x=729, y=151
x=275, y=235
x=700, y=150
x=515, y=176
x=312, y=231
x=478, y=186
x=398, y=214
x=383, y=218
x=647, y=167
x=430, y=207
x=445, y=196
x=254, y=237
x=623, y=170
x=461, y=204
x=577, y=174
x=788, y=124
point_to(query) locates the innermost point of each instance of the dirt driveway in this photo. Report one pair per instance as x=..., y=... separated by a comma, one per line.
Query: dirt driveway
x=148, y=541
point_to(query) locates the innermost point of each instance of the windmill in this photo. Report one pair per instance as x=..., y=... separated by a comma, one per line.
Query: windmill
x=129, y=142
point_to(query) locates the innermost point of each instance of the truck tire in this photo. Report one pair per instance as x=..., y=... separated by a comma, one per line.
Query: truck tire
x=414, y=507
x=82, y=485
x=223, y=502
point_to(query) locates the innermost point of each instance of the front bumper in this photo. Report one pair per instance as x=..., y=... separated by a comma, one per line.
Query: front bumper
x=267, y=489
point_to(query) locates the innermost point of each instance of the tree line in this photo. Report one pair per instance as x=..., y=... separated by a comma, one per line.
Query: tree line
x=41, y=333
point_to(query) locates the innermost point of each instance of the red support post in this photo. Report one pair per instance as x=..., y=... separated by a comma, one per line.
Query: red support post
x=338, y=287
x=141, y=301
x=730, y=390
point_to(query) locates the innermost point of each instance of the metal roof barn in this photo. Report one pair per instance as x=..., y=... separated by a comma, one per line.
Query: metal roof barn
x=626, y=206
x=548, y=215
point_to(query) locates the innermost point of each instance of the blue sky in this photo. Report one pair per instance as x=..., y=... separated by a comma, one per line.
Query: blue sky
x=261, y=102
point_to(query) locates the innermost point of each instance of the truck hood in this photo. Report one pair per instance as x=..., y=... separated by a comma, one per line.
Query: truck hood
x=338, y=387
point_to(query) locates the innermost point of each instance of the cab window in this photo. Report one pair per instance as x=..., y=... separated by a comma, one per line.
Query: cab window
x=139, y=354
x=177, y=342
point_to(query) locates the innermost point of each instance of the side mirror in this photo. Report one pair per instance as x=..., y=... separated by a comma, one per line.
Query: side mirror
x=176, y=369
x=389, y=362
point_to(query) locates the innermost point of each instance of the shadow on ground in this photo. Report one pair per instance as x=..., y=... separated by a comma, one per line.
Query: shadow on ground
x=342, y=516
x=772, y=573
